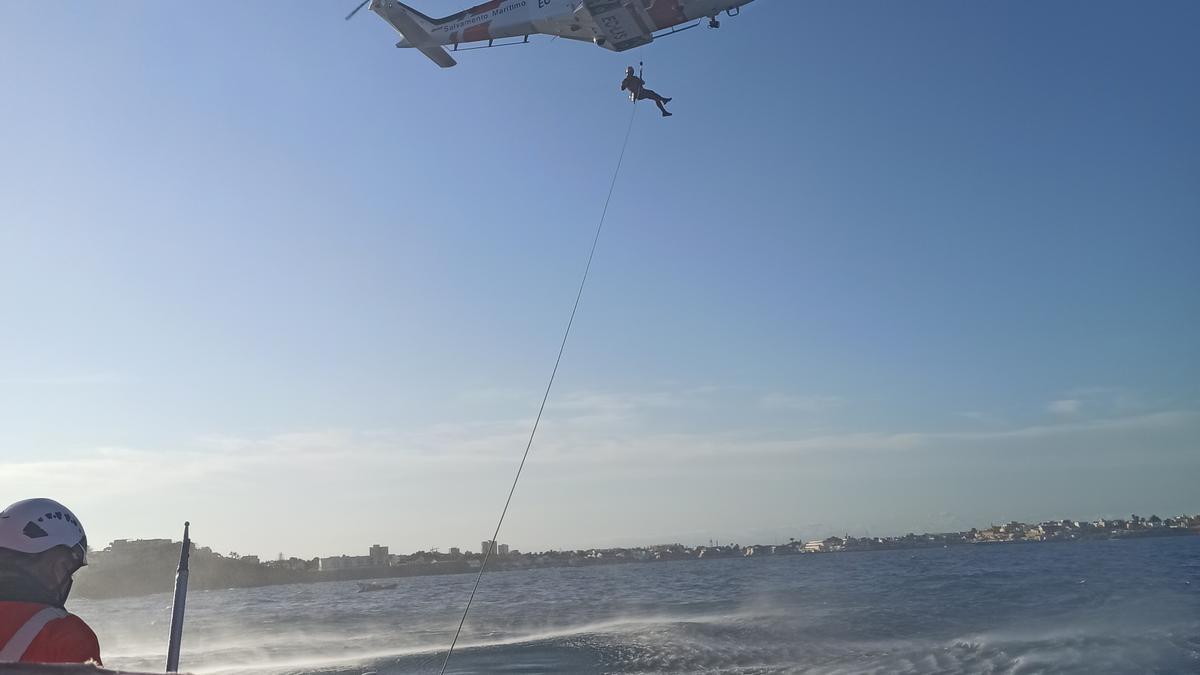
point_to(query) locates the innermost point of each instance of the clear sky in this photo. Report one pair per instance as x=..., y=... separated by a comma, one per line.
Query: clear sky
x=892, y=266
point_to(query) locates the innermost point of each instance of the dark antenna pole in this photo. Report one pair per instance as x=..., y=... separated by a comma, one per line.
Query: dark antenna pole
x=181, y=581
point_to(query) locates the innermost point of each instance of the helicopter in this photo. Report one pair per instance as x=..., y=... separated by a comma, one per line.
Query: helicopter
x=617, y=25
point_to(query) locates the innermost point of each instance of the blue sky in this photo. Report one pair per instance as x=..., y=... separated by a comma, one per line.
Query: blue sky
x=890, y=267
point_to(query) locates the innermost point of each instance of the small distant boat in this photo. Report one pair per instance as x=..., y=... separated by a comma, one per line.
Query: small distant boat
x=364, y=587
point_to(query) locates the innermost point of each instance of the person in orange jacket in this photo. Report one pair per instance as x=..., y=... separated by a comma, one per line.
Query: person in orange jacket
x=42, y=545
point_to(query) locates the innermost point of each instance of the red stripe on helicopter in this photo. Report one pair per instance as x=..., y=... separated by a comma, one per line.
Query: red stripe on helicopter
x=484, y=8
x=667, y=13
x=478, y=32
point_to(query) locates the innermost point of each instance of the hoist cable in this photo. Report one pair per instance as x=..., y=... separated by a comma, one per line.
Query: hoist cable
x=546, y=396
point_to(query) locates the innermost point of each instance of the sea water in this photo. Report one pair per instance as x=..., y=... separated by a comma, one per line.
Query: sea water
x=1128, y=606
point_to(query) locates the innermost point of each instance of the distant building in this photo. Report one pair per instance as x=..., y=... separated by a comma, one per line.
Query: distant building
x=344, y=562
x=503, y=549
x=825, y=545
x=454, y=551
x=252, y=559
x=140, y=543
x=293, y=563
x=122, y=551
x=137, y=545
x=378, y=555
x=486, y=546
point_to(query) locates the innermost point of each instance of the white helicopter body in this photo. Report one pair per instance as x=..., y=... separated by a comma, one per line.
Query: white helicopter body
x=617, y=25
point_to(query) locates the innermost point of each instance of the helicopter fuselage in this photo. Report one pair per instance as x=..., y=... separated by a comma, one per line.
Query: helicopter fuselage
x=612, y=24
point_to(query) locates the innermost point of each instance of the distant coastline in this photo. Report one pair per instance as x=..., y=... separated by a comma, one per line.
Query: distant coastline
x=142, y=567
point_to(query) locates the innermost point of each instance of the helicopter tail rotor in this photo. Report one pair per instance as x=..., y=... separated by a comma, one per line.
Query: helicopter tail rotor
x=360, y=6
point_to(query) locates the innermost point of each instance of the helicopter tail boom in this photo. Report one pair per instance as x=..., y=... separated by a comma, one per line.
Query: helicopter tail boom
x=408, y=22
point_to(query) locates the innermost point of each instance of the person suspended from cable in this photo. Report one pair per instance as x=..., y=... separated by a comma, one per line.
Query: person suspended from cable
x=636, y=87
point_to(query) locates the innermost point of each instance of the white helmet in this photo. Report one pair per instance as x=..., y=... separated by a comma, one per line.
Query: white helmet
x=38, y=525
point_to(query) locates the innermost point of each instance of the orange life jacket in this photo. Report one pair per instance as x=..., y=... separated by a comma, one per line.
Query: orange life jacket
x=64, y=638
